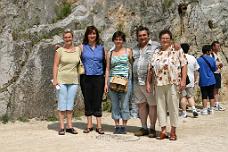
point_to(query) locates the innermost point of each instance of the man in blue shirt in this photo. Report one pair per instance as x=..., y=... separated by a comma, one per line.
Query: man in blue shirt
x=206, y=79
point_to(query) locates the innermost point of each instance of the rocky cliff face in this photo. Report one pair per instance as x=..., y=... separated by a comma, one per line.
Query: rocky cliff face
x=30, y=29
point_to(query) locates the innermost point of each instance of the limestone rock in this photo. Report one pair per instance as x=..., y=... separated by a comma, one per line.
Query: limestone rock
x=30, y=29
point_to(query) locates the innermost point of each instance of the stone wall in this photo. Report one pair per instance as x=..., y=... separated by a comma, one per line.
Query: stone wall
x=30, y=29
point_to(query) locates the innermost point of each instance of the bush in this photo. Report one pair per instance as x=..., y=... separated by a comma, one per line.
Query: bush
x=5, y=118
x=63, y=10
x=23, y=119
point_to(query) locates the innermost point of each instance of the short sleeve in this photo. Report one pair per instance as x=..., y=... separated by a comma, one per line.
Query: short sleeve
x=78, y=49
x=182, y=58
x=214, y=65
x=152, y=58
x=196, y=65
x=59, y=50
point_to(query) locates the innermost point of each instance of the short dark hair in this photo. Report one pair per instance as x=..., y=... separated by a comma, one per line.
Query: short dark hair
x=185, y=47
x=142, y=28
x=206, y=49
x=119, y=34
x=165, y=31
x=89, y=30
x=214, y=42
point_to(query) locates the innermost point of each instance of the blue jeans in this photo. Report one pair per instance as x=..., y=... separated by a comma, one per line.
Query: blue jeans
x=66, y=96
x=120, y=103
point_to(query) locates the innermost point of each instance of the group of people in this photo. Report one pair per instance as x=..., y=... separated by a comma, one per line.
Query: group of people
x=156, y=75
x=208, y=66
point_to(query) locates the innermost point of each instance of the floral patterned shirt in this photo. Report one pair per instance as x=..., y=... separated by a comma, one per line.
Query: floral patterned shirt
x=167, y=66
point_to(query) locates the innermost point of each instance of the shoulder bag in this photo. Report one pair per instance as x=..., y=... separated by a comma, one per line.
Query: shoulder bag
x=118, y=83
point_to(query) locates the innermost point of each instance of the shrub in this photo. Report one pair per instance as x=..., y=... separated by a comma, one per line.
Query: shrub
x=63, y=10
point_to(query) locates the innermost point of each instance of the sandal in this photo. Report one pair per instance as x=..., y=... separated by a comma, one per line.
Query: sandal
x=173, y=137
x=71, y=130
x=61, y=132
x=162, y=136
x=99, y=131
x=87, y=130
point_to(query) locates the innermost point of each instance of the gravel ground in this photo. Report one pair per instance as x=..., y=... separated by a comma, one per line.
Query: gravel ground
x=205, y=133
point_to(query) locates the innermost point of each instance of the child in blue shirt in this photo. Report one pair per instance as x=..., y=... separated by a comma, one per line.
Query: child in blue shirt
x=206, y=78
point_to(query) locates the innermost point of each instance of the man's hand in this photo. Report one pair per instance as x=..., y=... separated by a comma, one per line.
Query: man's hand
x=57, y=46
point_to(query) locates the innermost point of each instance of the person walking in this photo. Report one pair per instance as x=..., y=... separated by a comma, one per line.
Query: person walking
x=207, y=79
x=218, y=77
x=187, y=95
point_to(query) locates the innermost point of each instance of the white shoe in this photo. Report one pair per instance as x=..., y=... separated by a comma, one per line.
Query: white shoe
x=183, y=115
x=204, y=112
x=210, y=111
x=219, y=108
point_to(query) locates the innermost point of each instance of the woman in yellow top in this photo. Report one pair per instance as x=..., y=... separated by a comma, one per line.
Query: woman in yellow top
x=66, y=77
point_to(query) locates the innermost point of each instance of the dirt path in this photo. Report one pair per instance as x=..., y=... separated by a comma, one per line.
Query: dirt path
x=206, y=133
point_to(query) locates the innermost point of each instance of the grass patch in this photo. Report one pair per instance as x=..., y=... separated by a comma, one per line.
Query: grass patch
x=62, y=11
x=167, y=4
x=78, y=113
x=4, y=119
x=52, y=118
x=23, y=119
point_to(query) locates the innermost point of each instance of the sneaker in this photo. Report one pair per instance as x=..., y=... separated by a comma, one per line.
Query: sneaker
x=204, y=112
x=152, y=133
x=183, y=115
x=210, y=111
x=141, y=132
x=219, y=108
x=195, y=114
x=123, y=130
x=117, y=130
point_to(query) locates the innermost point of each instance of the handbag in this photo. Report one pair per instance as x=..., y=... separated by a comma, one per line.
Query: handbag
x=81, y=69
x=119, y=84
x=187, y=80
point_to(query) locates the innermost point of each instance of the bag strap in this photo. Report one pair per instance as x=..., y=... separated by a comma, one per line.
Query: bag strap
x=110, y=59
x=209, y=65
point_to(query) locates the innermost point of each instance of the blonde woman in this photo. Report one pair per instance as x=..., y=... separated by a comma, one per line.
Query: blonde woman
x=65, y=75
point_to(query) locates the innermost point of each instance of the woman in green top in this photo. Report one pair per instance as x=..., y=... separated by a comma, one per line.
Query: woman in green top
x=65, y=76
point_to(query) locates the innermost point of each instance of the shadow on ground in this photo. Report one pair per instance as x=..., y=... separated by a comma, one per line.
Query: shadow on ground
x=82, y=126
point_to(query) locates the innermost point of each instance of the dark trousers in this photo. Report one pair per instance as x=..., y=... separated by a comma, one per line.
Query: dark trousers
x=92, y=89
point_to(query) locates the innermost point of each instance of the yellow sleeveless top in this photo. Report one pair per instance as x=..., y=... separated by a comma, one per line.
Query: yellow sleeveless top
x=67, y=69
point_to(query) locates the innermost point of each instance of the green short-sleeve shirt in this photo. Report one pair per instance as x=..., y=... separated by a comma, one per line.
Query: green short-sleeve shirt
x=67, y=69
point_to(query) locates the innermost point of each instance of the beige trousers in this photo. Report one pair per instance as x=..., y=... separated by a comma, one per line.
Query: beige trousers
x=167, y=98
